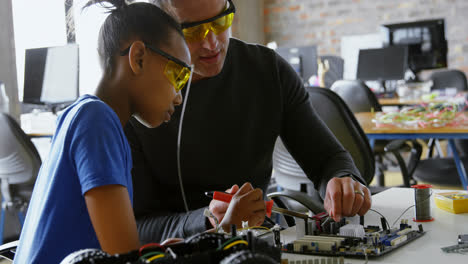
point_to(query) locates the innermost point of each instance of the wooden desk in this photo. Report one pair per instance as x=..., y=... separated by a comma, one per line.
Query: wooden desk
x=442, y=232
x=40, y=135
x=365, y=120
x=399, y=101
x=450, y=133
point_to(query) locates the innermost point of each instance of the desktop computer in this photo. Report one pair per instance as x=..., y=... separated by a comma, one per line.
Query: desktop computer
x=51, y=77
x=383, y=65
x=388, y=63
x=425, y=39
x=302, y=59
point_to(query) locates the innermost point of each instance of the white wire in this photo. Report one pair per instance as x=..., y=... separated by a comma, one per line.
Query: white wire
x=179, y=136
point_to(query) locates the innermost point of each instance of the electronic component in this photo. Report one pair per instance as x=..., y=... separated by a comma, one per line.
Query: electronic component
x=351, y=230
x=462, y=239
x=201, y=248
x=315, y=260
x=331, y=238
x=455, y=249
x=461, y=247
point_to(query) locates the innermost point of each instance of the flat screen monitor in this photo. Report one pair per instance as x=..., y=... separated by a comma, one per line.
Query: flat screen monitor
x=382, y=64
x=302, y=59
x=51, y=75
x=427, y=46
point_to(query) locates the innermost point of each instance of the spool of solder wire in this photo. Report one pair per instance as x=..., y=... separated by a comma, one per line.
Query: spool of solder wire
x=422, y=200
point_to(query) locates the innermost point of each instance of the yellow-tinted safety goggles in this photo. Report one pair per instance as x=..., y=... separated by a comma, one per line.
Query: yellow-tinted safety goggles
x=177, y=74
x=197, y=31
x=176, y=71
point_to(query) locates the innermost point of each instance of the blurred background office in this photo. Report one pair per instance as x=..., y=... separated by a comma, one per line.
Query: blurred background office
x=333, y=27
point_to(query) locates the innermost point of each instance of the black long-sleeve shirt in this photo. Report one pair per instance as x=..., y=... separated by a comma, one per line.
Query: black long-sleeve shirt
x=230, y=127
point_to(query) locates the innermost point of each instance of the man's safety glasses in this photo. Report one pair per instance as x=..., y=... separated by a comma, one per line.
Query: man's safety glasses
x=197, y=31
x=176, y=71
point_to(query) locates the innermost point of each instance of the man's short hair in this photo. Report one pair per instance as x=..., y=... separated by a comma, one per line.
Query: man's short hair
x=167, y=6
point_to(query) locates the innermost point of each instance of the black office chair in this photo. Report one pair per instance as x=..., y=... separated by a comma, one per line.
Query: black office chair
x=359, y=98
x=357, y=95
x=341, y=121
x=336, y=70
x=438, y=170
x=285, y=169
x=449, y=78
x=19, y=166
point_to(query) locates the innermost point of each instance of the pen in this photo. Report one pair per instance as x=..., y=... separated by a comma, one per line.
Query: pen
x=227, y=197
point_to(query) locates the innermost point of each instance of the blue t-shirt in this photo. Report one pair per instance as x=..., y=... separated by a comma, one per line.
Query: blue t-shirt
x=89, y=149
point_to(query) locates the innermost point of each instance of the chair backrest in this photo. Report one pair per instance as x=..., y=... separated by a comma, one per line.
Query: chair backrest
x=357, y=95
x=341, y=121
x=19, y=159
x=286, y=171
x=336, y=70
x=449, y=79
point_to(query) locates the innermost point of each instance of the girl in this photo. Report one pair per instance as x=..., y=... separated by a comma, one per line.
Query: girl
x=83, y=193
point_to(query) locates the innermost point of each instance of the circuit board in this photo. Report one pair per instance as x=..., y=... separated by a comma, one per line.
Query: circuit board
x=348, y=240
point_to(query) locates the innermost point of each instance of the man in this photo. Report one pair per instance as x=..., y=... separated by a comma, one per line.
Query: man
x=242, y=98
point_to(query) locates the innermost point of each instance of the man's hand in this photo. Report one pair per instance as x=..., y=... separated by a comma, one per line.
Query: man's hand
x=346, y=197
x=218, y=208
x=246, y=205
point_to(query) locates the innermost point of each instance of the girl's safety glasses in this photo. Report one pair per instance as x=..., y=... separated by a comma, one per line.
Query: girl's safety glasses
x=197, y=31
x=176, y=71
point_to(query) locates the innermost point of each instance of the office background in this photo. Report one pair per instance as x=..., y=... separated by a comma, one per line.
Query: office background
x=326, y=22
x=331, y=25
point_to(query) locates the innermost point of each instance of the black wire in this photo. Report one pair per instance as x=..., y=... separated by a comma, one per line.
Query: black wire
x=403, y=214
x=268, y=220
x=382, y=217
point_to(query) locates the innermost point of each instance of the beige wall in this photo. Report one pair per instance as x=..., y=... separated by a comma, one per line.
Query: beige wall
x=248, y=21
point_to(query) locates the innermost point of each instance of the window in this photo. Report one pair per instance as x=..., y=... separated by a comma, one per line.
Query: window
x=87, y=26
x=43, y=24
x=36, y=24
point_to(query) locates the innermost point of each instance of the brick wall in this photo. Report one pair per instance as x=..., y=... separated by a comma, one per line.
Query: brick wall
x=324, y=22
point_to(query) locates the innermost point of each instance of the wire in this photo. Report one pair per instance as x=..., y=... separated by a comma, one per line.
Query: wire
x=429, y=196
x=236, y=243
x=179, y=136
x=268, y=220
x=147, y=255
x=150, y=245
x=254, y=227
x=173, y=255
x=382, y=217
x=403, y=214
x=229, y=241
x=155, y=257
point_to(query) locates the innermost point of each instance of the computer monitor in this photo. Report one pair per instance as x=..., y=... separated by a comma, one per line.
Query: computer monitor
x=51, y=75
x=383, y=64
x=302, y=59
x=427, y=46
